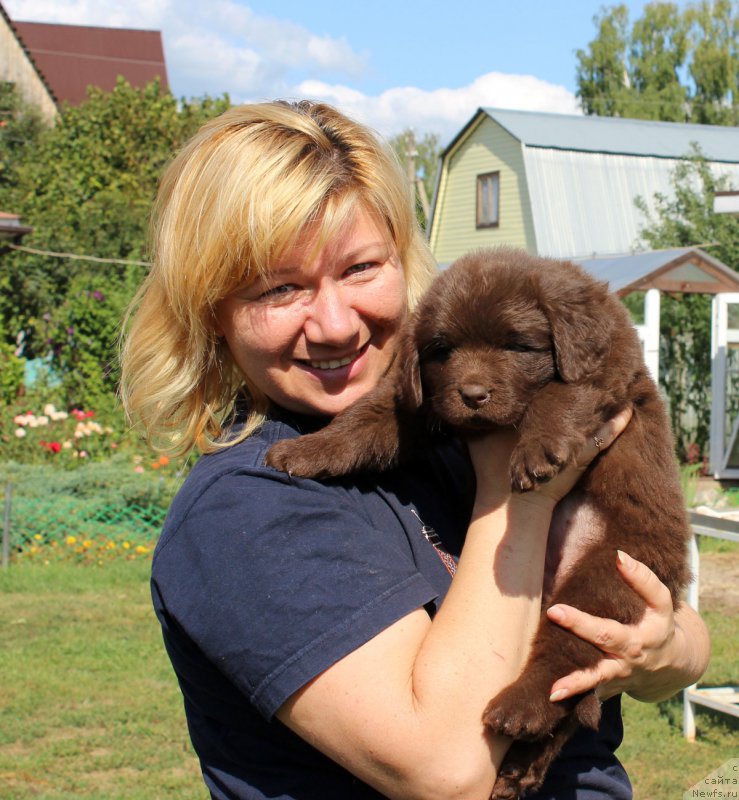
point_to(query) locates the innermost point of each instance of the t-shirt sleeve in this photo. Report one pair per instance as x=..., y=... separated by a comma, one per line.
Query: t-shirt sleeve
x=275, y=579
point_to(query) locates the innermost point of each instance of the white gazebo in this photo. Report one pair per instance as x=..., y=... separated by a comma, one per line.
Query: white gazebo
x=687, y=270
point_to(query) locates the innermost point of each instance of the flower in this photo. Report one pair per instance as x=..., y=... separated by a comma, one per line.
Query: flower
x=54, y=447
x=20, y=432
x=71, y=540
x=138, y=468
x=49, y=410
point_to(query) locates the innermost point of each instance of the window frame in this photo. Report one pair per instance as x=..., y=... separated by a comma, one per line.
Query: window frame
x=494, y=178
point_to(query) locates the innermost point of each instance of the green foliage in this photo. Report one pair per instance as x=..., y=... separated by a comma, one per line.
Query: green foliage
x=672, y=64
x=686, y=219
x=113, y=482
x=86, y=186
x=420, y=159
x=20, y=127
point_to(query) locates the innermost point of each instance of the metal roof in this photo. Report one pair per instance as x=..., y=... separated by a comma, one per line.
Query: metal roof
x=626, y=270
x=73, y=57
x=615, y=135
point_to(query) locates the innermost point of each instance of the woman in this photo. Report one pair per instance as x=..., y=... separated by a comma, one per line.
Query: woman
x=304, y=620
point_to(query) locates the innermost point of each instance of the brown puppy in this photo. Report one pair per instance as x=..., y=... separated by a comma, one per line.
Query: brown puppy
x=506, y=339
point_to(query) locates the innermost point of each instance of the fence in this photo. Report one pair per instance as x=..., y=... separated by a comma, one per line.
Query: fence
x=33, y=522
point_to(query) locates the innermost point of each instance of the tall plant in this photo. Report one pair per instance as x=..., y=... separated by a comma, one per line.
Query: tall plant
x=686, y=219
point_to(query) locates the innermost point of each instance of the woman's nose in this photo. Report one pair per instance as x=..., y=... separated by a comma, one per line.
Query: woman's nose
x=331, y=319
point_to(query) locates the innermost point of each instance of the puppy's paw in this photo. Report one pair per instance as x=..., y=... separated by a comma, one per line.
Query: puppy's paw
x=522, y=712
x=516, y=776
x=508, y=782
x=536, y=461
x=310, y=456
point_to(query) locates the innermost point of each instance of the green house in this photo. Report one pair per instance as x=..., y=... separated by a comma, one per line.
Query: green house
x=561, y=185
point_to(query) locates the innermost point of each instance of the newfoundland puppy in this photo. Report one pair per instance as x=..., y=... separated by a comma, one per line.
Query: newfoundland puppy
x=506, y=339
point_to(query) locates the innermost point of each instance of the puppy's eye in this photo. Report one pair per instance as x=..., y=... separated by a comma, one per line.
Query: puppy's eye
x=523, y=346
x=436, y=350
x=518, y=347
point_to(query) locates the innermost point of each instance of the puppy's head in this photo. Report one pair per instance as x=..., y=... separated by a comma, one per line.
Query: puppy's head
x=494, y=329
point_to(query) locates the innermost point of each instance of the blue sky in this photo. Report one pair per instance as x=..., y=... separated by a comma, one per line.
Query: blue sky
x=391, y=64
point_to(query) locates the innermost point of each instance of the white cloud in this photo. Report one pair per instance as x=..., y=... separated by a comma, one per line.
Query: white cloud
x=224, y=46
x=443, y=111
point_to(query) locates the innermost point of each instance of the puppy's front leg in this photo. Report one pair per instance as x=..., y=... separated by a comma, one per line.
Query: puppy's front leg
x=364, y=437
x=557, y=423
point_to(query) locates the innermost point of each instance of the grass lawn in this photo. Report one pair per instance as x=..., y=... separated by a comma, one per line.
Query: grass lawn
x=89, y=707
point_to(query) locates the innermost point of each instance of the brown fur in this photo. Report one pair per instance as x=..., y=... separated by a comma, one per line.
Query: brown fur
x=506, y=339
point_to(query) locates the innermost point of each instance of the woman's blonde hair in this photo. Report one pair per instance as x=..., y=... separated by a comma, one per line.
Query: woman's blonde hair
x=231, y=203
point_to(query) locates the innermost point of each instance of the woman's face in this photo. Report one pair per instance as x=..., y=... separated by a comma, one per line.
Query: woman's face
x=320, y=331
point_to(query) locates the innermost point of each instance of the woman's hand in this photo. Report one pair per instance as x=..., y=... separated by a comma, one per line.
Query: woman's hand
x=650, y=660
x=490, y=455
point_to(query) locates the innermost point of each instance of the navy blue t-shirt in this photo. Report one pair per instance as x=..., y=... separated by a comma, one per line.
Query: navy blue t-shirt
x=262, y=581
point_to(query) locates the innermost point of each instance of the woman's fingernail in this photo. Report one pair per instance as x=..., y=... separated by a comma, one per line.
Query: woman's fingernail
x=560, y=694
x=624, y=559
x=556, y=613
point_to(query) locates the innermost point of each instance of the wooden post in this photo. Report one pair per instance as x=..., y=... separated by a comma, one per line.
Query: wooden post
x=6, y=525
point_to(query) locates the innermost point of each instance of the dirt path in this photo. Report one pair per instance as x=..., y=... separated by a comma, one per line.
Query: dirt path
x=719, y=582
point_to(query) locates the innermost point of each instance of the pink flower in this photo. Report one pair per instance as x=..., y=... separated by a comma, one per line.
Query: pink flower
x=20, y=432
x=138, y=469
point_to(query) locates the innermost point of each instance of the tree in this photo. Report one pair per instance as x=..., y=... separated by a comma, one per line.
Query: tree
x=420, y=159
x=670, y=64
x=20, y=128
x=86, y=186
x=682, y=220
x=715, y=65
x=602, y=74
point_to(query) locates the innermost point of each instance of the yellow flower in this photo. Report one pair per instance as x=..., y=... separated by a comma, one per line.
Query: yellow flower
x=71, y=539
x=111, y=545
x=87, y=543
x=126, y=546
x=141, y=550
x=38, y=537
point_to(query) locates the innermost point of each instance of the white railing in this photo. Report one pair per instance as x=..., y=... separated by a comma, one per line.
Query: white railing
x=720, y=698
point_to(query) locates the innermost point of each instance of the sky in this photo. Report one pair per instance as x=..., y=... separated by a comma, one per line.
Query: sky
x=393, y=64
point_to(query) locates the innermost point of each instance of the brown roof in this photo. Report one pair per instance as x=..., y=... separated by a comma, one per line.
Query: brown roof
x=73, y=57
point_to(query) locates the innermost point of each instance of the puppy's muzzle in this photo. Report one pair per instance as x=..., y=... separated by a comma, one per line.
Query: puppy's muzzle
x=473, y=395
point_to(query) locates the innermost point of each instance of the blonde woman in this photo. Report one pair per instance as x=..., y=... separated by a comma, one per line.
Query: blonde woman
x=322, y=648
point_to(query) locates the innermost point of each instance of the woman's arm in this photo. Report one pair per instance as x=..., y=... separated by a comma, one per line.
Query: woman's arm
x=404, y=711
x=663, y=653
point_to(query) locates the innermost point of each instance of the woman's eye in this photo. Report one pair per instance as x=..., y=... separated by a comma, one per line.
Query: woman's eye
x=280, y=292
x=357, y=269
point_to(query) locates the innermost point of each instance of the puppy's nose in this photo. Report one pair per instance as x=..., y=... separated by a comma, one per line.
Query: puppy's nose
x=474, y=395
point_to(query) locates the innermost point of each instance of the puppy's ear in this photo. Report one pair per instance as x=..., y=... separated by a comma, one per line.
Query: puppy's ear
x=408, y=369
x=581, y=319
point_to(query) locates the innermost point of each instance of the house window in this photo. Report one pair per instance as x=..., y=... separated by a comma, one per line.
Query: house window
x=488, y=191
